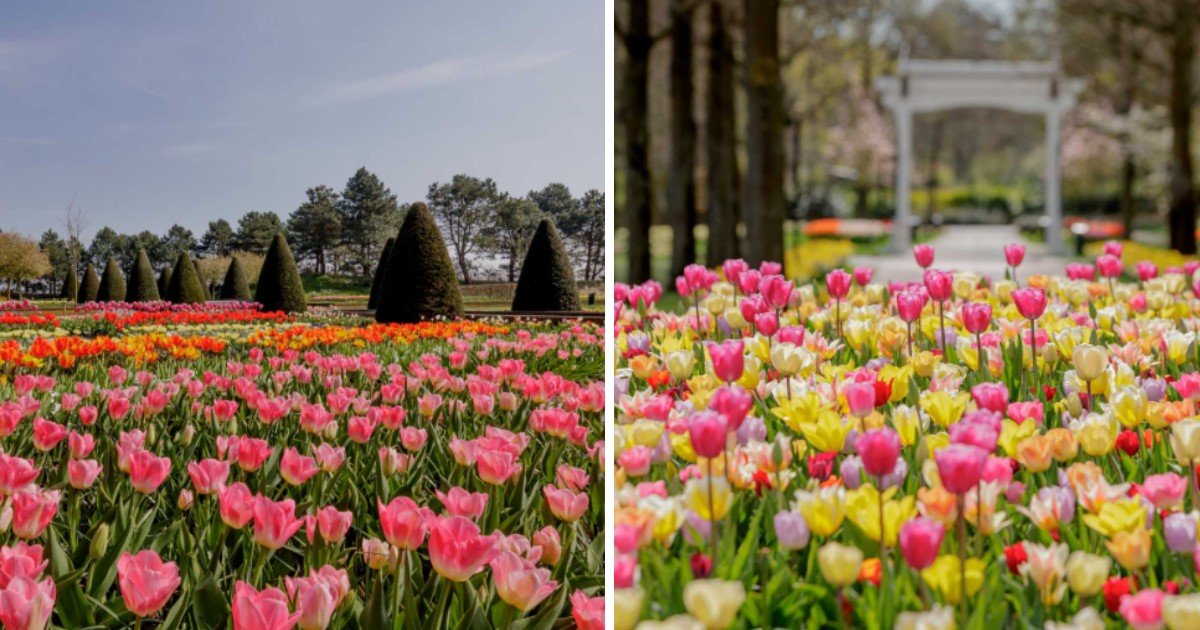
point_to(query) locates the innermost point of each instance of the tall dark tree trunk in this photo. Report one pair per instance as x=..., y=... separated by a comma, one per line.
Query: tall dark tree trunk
x=763, y=205
x=681, y=183
x=1182, y=215
x=634, y=104
x=1130, y=57
x=797, y=165
x=720, y=147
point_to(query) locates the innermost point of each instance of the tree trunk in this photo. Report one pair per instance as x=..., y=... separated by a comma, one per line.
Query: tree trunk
x=634, y=103
x=764, y=133
x=1182, y=214
x=1130, y=58
x=721, y=143
x=681, y=184
x=797, y=166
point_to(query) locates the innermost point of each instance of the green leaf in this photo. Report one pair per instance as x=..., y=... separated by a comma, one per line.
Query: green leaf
x=209, y=604
x=71, y=605
x=373, y=616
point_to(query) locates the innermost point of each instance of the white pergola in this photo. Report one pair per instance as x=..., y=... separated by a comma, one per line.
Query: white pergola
x=1028, y=87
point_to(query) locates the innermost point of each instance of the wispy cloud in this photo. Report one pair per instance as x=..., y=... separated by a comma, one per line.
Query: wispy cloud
x=448, y=70
x=188, y=150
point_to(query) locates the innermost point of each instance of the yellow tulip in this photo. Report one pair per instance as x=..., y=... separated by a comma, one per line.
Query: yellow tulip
x=1013, y=433
x=900, y=377
x=680, y=364
x=734, y=318
x=627, y=608
x=923, y=362
x=714, y=603
x=938, y=618
x=1122, y=515
x=1131, y=549
x=828, y=433
x=1063, y=445
x=945, y=577
x=1035, y=453
x=1089, y=361
x=1182, y=612
x=944, y=408
x=839, y=563
x=1178, y=345
x=681, y=444
x=1128, y=406
x=862, y=508
x=750, y=377
x=823, y=508
x=710, y=498
x=1097, y=433
x=1087, y=572
x=907, y=423
x=1185, y=441
x=644, y=432
x=643, y=366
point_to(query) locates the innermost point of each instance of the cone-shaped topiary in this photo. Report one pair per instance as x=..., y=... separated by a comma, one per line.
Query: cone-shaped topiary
x=279, y=286
x=70, y=288
x=142, y=287
x=235, y=286
x=164, y=281
x=419, y=282
x=112, y=283
x=377, y=282
x=547, y=281
x=184, y=286
x=90, y=286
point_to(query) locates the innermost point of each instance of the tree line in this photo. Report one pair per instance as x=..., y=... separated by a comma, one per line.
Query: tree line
x=343, y=232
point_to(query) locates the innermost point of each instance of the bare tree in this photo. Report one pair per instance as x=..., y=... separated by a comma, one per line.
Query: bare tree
x=75, y=223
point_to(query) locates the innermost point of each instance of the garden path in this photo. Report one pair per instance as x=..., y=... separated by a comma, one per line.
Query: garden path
x=977, y=248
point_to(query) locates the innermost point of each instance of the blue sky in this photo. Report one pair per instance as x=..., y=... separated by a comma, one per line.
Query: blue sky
x=150, y=114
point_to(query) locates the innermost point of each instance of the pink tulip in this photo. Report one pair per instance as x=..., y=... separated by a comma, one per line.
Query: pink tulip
x=459, y=502
x=960, y=466
x=837, y=282
x=26, y=604
x=571, y=477
x=329, y=457
x=16, y=473
x=147, y=471
x=82, y=473
x=496, y=467
x=733, y=269
x=392, y=461
x=733, y=403
x=766, y=323
x=977, y=317
x=1114, y=248
x=88, y=415
x=413, y=438
x=404, y=523
x=879, y=450
x=81, y=444
x=923, y=255
x=708, y=432
x=252, y=453
x=315, y=601
x=860, y=397
x=32, y=510
x=237, y=505
x=359, y=429
x=47, y=434
x=548, y=540
x=457, y=550
x=776, y=290
x=728, y=359
x=1143, y=610
x=1109, y=266
x=21, y=560
x=208, y=475
x=333, y=523
x=1147, y=270
x=566, y=505
x=520, y=582
x=588, y=612
x=909, y=305
x=275, y=522
x=862, y=276
x=1031, y=303
x=939, y=284
x=1164, y=490
x=296, y=468
x=1022, y=411
x=1014, y=253
x=991, y=396
x=920, y=541
x=224, y=410
x=146, y=581
x=261, y=610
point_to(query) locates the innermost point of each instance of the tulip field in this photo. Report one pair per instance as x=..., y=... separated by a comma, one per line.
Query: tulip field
x=217, y=466
x=963, y=452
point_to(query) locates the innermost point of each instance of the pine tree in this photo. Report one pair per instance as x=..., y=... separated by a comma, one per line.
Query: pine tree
x=70, y=288
x=420, y=282
x=547, y=281
x=90, y=286
x=112, y=284
x=185, y=286
x=141, y=280
x=380, y=268
x=164, y=281
x=279, y=286
x=235, y=286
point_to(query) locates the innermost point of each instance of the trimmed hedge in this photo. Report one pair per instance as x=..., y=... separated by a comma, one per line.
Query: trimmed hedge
x=279, y=286
x=420, y=282
x=70, y=288
x=164, y=282
x=90, y=286
x=142, y=287
x=547, y=281
x=112, y=283
x=185, y=286
x=235, y=286
x=380, y=268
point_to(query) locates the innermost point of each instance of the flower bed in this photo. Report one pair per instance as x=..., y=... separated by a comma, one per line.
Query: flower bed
x=953, y=453
x=280, y=474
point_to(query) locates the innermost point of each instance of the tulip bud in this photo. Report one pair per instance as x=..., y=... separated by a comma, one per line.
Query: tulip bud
x=1074, y=405
x=1050, y=353
x=187, y=435
x=99, y=545
x=185, y=500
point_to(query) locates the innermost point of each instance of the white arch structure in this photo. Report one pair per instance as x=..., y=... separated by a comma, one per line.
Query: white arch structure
x=1028, y=87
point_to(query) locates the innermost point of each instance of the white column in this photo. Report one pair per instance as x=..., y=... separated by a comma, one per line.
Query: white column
x=902, y=223
x=1053, y=185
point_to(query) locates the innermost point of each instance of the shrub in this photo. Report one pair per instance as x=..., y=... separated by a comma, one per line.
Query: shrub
x=279, y=286
x=235, y=286
x=419, y=282
x=547, y=281
x=90, y=286
x=112, y=283
x=185, y=286
x=164, y=282
x=70, y=288
x=373, y=301
x=141, y=280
